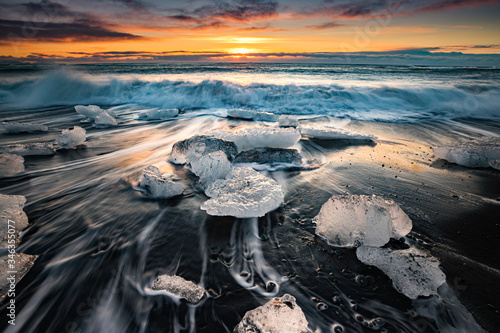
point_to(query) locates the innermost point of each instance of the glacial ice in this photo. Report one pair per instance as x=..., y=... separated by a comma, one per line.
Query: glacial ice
x=15, y=128
x=326, y=132
x=413, y=272
x=10, y=164
x=158, y=114
x=157, y=186
x=105, y=119
x=11, y=208
x=251, y=115
x=98, y=115
x=288, y=121
x=495, y=164
x=199, y=145
x=179, y=287
x=71, y=138
x=472, y=154
x=210, y=167
x=29, y=149
x=356, y=220
x=244, y=193
x=269, y=156
x=250, y=138
x=279, y=315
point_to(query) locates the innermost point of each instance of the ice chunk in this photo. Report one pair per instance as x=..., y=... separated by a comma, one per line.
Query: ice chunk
x=244, y=193
x=250, y=138
x=472, y=154
x=251, y=115
x=210, y=167
x=29, y=149
x=89, y=111
x=11, y=208
x=495, y=164
x=105, y=119
x=288, y=121
x=10, y=164
x=71, y=138
x=159, y=114
x=157, y=186
x=179, y=287
x=14, y=128
x=23, y=263
x=413, y=272
x=279, y=315
x=269, y=156
x=331, y=133
x=352, y=221
x=201, y=145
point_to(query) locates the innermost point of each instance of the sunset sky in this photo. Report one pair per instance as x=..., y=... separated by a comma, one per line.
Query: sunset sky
x=460, y=31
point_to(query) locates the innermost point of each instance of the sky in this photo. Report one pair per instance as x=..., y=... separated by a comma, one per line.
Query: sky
x=442, y=32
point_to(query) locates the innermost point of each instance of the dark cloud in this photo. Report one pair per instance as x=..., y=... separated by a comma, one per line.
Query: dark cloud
x=324, y=26
x=238, y=10
x=19, y=31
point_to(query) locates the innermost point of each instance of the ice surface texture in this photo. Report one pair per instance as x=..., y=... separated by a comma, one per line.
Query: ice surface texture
x=352, y=221
x=179, y=287
x=14, y=128
x=157, y=186
x=244, y=193
x=210, y=167
x=288, y=121
x=29, y=149
x=473, y=154
x=199, y=145
x=71, y=138
x=250, y=138
x=251, y=115
x=331, y=133
x=413, y=272
x=279, y=315
x=159, y=114
x=96, y=114
x=10, y=164
x=269, y=156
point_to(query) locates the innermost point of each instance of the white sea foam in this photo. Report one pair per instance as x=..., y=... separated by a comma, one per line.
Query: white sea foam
x=71, y=138
x=257, y=137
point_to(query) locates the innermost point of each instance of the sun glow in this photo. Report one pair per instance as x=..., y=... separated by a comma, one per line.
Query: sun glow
x=240, y=51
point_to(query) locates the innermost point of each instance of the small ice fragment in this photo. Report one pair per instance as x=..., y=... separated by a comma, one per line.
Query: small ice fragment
x=71, y=138
x=159, y=114
x=201, y=145
x=210, y=167
x=472, y=154
x=250, y=138
x=105, y=119
x=29, y=149
x=331, y=133
x=288, y=121
x=352, y=221
x=495, y=164
x=11, y=209
x=10, y=164
x=269, y=156
x=15, y=128
x=89, y=111
x=23, y=263
x=157, y=186
x=279, y=315
x=179, y=287
x=251, y=115
x=244, y=193
x=413, y=272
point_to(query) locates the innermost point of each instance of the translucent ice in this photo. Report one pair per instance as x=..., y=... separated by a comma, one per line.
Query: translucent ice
x=288, y=121
x=352, y=221
x=159, y=114
x=29, y=149
x=71, y=138
x=413, y=273
x=279, y=315
x=210, y=167
x=179, y=287
x=330, y=133
x=251, y=115
x=105, y=119
x=244, y=193
x=10, y=164
x=14, y=128
x=157, y=186
x=250, y=138
x=96, y=114
x=11, y=208
x=199, y=145
x=269, y=156
x=472, y=154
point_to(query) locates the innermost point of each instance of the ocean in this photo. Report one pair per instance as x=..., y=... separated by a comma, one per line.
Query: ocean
x=101, y=240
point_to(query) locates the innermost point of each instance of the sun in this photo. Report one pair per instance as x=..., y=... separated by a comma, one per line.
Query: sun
x=240, y=51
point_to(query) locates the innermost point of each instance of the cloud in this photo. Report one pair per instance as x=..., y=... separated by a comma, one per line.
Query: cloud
x=324, y=26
